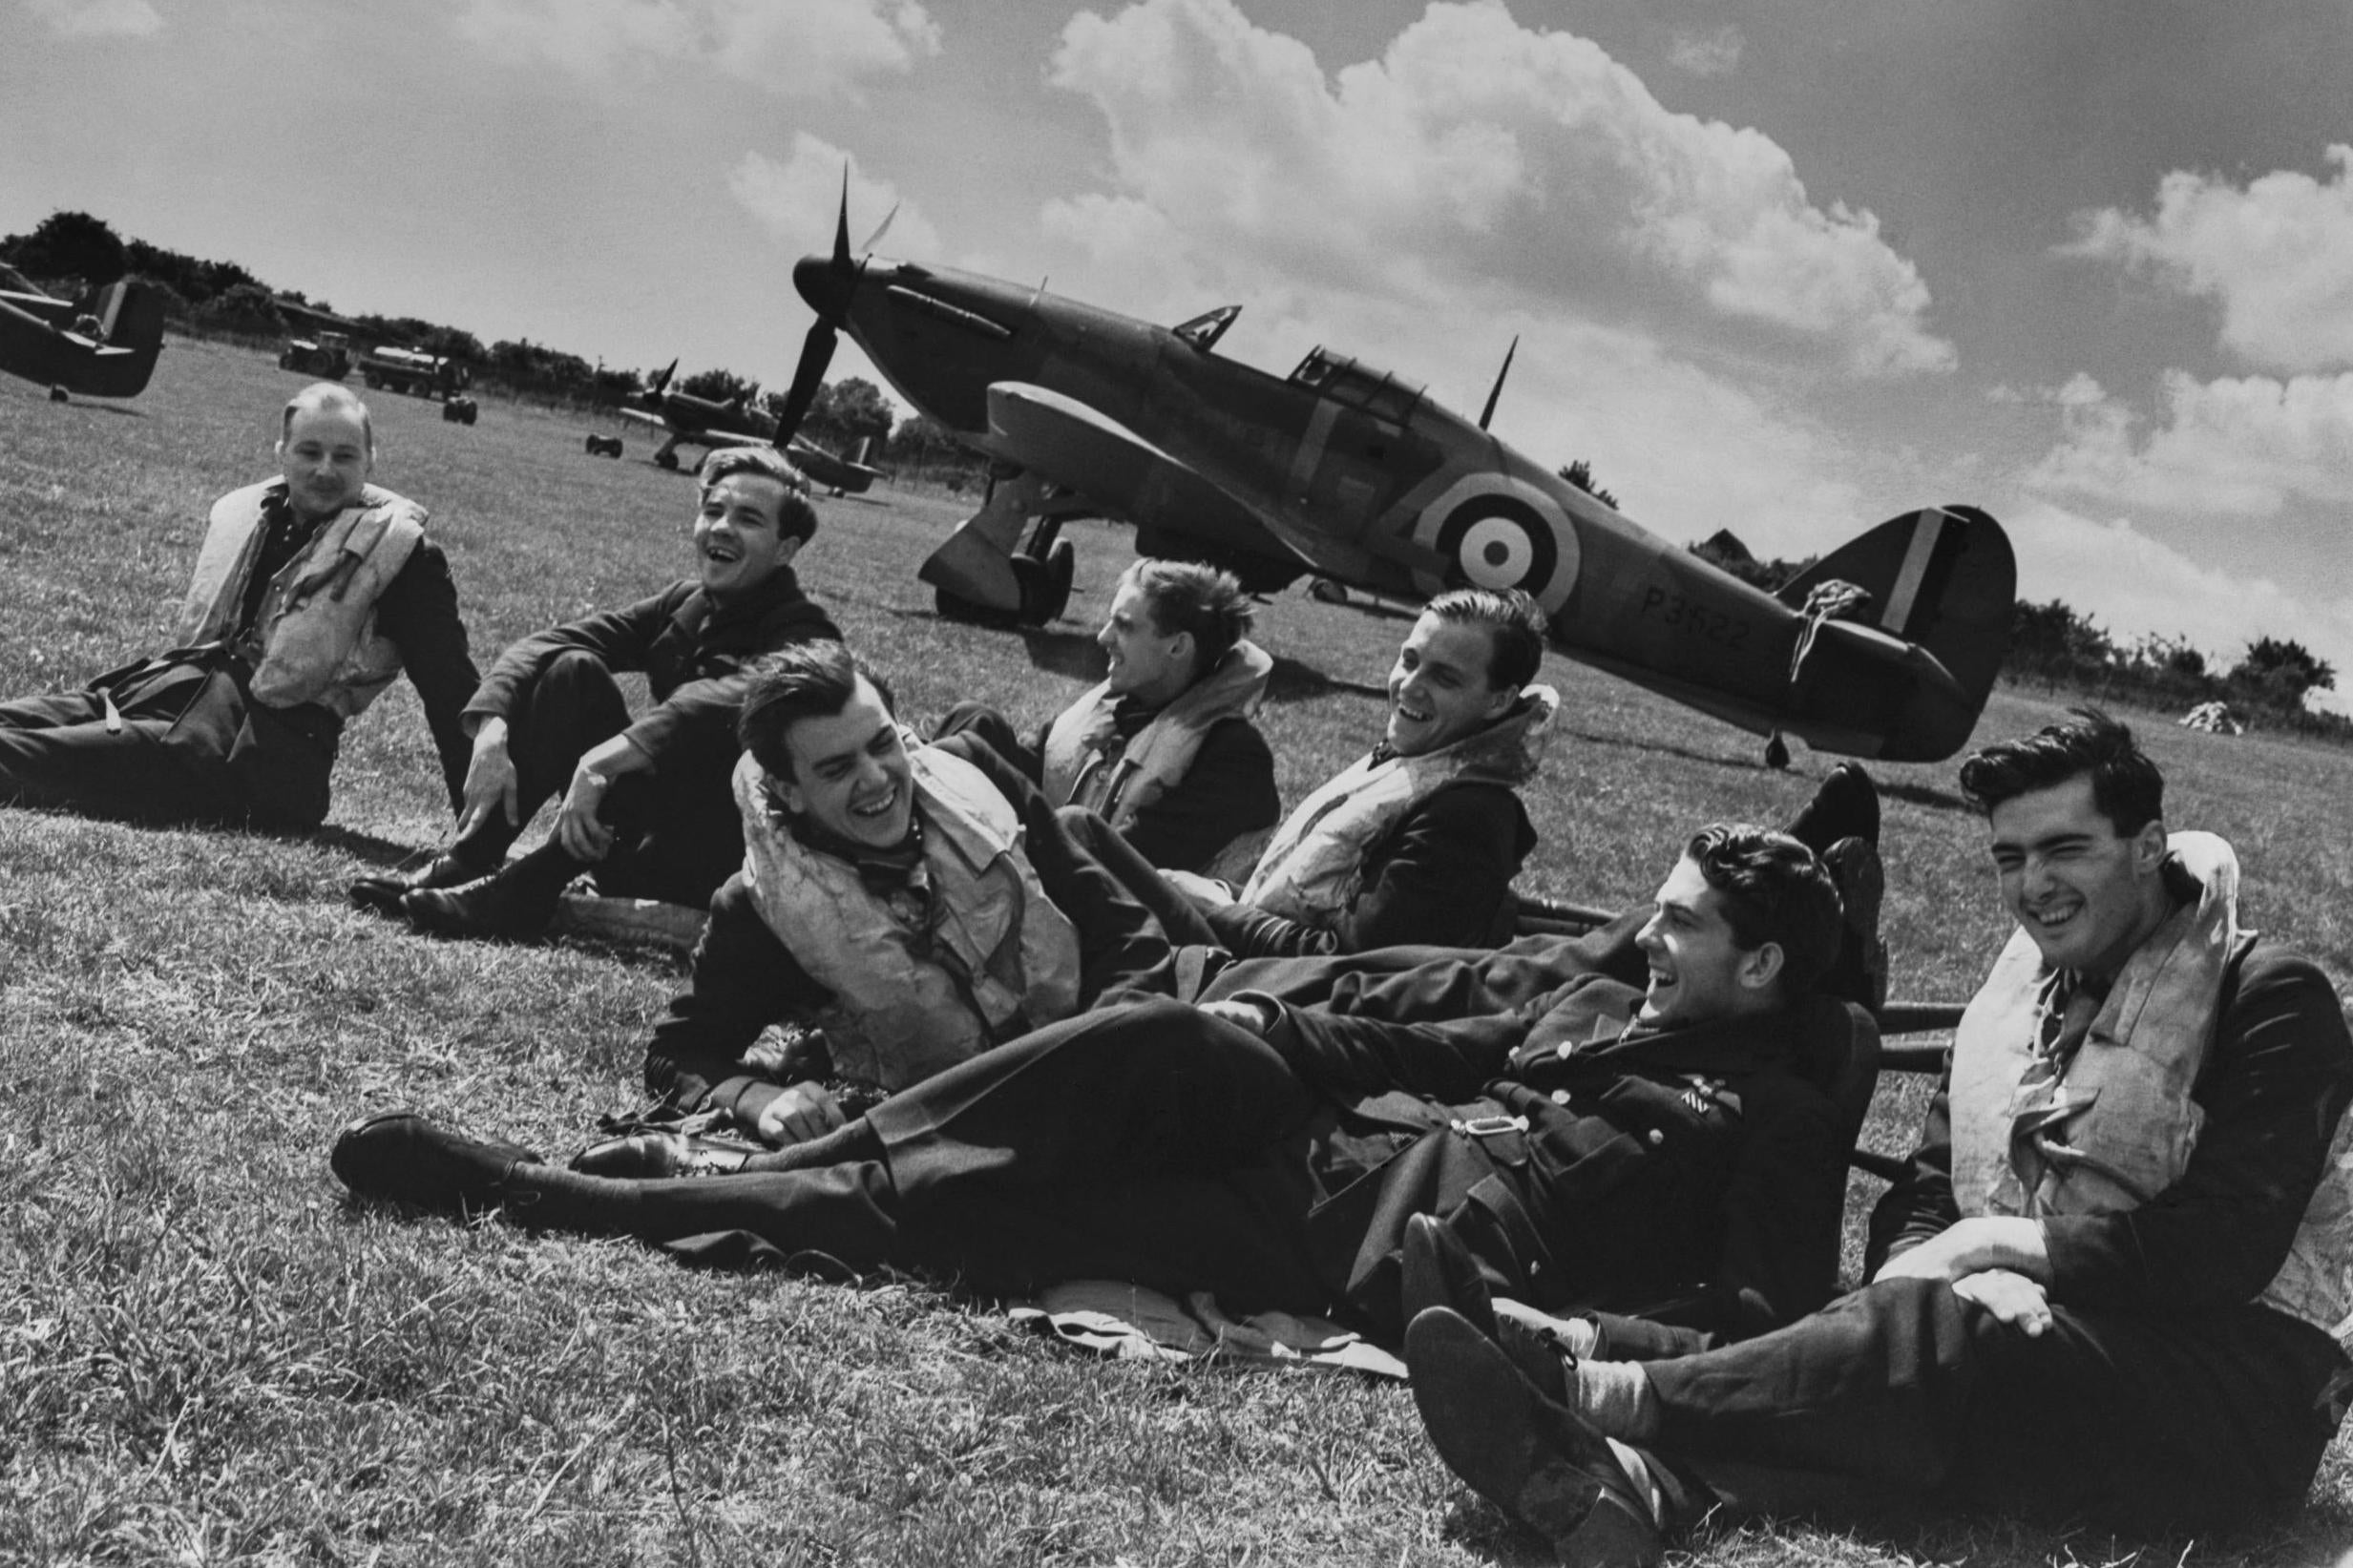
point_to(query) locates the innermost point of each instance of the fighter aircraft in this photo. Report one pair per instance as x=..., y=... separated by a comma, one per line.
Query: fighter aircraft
x=104, y=346
x=1886, y=648
x=700, y=422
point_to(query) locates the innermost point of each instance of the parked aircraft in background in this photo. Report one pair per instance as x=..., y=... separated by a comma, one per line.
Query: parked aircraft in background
x=1886, y=648
x=104, y=345
x=690, y=421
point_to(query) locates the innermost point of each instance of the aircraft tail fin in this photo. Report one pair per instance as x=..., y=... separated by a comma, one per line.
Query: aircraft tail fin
x=129, y=336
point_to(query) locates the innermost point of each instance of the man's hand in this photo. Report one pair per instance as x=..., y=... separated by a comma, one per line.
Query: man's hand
x=1968, y=1247
x=1203, y=892
x=576, y=825
x=1255, y=1016
x=2011, y=1297
x=802, y=1112
x=489, y=778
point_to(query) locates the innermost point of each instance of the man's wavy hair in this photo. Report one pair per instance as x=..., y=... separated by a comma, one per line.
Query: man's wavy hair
x=1188, y=597
x=795, y=517
x=800, y=681
x=2126, y=786
x=1515, y=624
x=1774, y=891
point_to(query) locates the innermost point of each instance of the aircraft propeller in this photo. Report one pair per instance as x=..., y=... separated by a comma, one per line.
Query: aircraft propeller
x=663, y=380
x=826, y=287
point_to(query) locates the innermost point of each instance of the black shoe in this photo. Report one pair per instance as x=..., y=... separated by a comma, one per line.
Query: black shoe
x=508, y=904
x=402, y=1155
x=1859, y=971
x=1533, y=1457
x=447, y=870
x=1439, y=1271
x=646, y=1156
x=1845, y=807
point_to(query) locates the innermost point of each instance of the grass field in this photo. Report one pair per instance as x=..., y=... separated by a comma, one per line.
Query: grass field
x=207, y=1356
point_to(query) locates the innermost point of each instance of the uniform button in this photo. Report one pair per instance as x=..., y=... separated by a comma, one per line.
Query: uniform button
x=1560, y=1096
x=1657, y=1137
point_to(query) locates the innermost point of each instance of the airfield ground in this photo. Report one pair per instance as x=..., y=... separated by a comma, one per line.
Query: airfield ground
x=207, y=1356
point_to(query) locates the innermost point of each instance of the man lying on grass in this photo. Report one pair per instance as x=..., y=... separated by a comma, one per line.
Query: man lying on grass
x=1607, y=1145
x=311, y=591
x=2116, y=1280
x=1416, y=842
x=645, y=803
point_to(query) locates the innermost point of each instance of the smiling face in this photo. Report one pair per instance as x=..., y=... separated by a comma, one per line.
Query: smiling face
x=1439, y=689
x=850, y=773
x=1699, y=972
x=2086, y=894
x=325, y=458
x=736, y=543
x=1145, y=662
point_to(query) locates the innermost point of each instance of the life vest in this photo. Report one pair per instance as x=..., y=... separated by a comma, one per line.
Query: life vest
x=315, y=638
x=2117, y=1126
x=998, y=960
x=1314, y=868
x=1078, y=772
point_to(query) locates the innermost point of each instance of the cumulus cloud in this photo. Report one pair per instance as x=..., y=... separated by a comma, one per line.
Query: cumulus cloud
x=798, y=200
x=1473, y=152
x=2136, y=586
x=2277, y=255
x=98, y=18
x=2237, y=447
x=1715, y=52
x=794, y=48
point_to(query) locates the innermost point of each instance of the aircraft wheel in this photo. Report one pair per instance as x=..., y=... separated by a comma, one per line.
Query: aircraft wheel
x=58, y=394
x=665, y=460
x=1045, y=584
x=1776, y=754
x=956, y=607
x=1324, y=591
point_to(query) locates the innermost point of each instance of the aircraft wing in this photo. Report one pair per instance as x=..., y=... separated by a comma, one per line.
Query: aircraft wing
x=643, y=418
x=1075, y=444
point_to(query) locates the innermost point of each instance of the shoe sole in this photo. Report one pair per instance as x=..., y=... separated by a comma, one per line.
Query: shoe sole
x=1487, y=1423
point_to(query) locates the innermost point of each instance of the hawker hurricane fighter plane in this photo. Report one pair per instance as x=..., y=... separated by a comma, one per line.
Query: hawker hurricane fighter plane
x=1886, y=648
x=104, y=346
x=690, y=421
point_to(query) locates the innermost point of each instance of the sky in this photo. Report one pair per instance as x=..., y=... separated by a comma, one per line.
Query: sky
x=1790, y=267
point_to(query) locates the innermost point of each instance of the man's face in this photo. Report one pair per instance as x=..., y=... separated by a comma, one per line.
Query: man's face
x=850, y=773
x=2086, y=894
x=1145, y=662
x=737, y=545
x=1437, y=689
x=1698, y=974
x=325, y=460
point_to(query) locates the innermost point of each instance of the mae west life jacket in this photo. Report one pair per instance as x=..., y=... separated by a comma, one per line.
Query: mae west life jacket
x=1314, y=868
x=1078, y=772
x=2116, y=1127
x=999, y=958
x=314, y=639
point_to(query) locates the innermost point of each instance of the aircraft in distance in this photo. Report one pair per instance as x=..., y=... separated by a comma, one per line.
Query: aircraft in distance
x=692, y=421
x=104, y=345
x=1886, y=648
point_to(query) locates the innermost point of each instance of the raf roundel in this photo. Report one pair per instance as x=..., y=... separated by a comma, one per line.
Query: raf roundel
x=1497, y=532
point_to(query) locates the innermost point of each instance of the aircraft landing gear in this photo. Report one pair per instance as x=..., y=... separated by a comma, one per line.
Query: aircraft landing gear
x=983, y=575
x=667, y=459
x=58, y=394
x=603, y=446
x=1776, y=752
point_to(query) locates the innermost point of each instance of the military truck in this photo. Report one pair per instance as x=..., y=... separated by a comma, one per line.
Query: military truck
x=327, y=356
x=414, y=373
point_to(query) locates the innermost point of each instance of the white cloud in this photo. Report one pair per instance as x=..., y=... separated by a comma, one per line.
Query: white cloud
x=2278, y=256
x=2136, y=586
x=798, y=200
x=1715, y=52
x=794, y=48
x=1475, y=153
x=2237, y=447
x=98, y=18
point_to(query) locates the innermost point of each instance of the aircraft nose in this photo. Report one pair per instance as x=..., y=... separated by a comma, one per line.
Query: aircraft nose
x=825, y=285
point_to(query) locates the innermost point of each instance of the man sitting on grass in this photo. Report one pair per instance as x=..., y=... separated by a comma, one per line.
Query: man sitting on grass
x=1416, y=842
x=1163, y=748
x=1606, y=1145
x=311, y=591
x=646, y=801
x=2117, y=1279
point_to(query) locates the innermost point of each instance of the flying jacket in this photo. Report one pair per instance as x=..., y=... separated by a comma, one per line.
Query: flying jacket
x=992, y=958
x=314, y=639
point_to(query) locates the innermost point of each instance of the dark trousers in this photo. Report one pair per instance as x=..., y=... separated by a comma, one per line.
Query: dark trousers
x=1184, y=924
x=677, y=834
x=2191, y=1420
x=1150, y=1143
x=186, y=743
x=991, y=725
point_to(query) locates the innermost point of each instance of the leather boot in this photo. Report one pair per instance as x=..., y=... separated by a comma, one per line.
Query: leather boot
x=514, y=903
x=449, y=869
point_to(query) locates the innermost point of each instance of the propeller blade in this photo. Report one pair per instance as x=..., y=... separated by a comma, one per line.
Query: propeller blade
x=841, y=228
x=663, y=380
x=816, y=354
x=1488, y=413
x=880, y=229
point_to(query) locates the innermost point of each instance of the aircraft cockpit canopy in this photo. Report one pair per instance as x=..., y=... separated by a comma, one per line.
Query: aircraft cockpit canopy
x=1377, y=392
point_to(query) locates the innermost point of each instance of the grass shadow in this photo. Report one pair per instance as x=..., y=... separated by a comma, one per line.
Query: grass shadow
x=1927, y=795
x=363, y=847
x=1073, y=654
x=1296, y=682
x=1629, y=743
